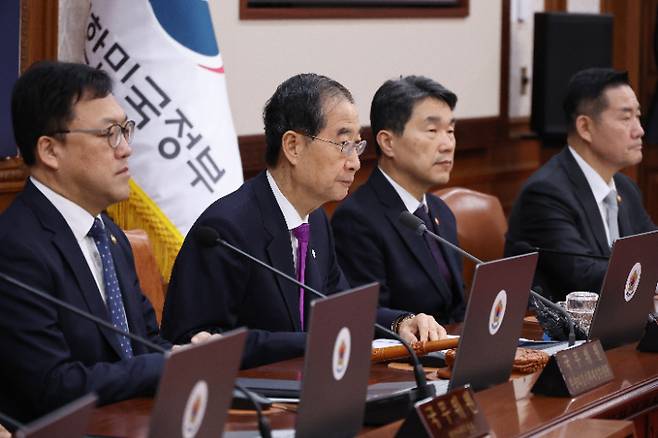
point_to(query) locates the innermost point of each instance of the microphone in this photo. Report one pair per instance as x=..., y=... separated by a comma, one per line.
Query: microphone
x=10, y=423
x=209, y=237
x=263, y=424
x=526, y=246
x=418, y=225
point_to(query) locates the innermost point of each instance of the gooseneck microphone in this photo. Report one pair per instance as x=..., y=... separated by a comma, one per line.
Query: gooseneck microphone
x=560, y=252
x=418, y=225
x=209, y=237
x=79, y=312
x=10, y=423
x=263, y=423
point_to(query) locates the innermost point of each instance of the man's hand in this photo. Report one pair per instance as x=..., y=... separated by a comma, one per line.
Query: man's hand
x=421, y=327
x=199, y=338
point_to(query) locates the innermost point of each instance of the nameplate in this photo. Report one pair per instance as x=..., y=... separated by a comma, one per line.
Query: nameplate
x=455, y=414
x=574, y=371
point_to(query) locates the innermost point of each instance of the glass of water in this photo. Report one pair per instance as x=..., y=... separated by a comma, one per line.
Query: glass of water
x=580, y=306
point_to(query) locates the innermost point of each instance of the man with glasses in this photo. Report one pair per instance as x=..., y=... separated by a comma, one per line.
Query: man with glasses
x=75, y=140
x=313, y=146
x=414, y=128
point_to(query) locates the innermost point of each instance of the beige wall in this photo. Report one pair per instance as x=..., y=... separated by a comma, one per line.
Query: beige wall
x=462, y=53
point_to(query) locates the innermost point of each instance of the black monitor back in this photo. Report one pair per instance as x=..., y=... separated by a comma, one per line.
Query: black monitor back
x=564, y=43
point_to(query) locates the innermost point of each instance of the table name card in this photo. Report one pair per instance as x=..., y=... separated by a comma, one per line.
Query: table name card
x=454, y=415
x=574, y=371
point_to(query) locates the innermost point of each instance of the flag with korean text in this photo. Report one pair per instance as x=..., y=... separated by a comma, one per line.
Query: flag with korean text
x=169, y=77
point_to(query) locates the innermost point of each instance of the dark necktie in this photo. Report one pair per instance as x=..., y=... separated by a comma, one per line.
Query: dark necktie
x=301, y=233
x=434, y=246
x=113, y=298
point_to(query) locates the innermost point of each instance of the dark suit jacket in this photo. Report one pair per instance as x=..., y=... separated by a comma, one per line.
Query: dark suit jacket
x=557, y=210
x=372, y=245
x=215, y=289
x=51, y=356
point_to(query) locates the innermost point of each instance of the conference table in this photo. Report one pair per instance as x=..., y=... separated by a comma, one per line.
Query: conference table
x=510, y=408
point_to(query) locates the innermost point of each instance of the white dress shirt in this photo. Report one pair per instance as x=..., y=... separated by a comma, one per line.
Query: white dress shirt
x=409, y=200
x=80, y=222
x=290, y=214
x=600, y=189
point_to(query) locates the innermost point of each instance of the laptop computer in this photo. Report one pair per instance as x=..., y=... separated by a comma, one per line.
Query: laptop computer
x=196, y=388
x=71, y=420
x=626, y=297
x=336, y=366
x=494, y=318
x=493, y=322
x=491, y=328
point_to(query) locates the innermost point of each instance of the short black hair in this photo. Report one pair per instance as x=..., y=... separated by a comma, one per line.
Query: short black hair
x=394, y=102
x=43, y=97
x=585, y=92
x=298, y=105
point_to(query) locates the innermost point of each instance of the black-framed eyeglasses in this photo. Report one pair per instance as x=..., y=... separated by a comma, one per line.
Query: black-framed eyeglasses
x=113, y=133
x=346, y=147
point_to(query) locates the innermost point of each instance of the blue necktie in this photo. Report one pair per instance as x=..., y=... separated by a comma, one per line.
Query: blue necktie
x=113, y=298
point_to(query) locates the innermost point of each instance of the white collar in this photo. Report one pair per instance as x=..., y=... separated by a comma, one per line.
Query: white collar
x=597, y=184
x=410, y=202
x=78, y=219
x=292, y=218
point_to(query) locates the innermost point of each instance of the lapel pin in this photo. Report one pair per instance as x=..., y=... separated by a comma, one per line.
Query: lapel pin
x=113, y=239
x=618, y=199
x=313, y=252
x=436, y=221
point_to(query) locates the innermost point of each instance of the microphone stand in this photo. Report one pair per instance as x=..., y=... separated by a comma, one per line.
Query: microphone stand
x=419, y=226
x=263, y=424
x=568, y=253
x=6, y=420
x=423, y=389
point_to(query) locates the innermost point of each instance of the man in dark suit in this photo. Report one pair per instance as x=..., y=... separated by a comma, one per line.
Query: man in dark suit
x=413, y=124
x=578, y=201
x=313, y=143
x=74, y=137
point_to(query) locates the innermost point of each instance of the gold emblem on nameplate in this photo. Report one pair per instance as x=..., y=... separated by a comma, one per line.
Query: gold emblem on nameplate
x=113, y=239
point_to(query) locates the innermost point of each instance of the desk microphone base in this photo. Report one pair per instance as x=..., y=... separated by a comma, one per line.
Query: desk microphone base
x=385, y=409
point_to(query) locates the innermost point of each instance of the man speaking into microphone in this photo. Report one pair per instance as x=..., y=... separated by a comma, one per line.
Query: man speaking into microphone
x=414, y=128
x=313, y=147
x=578, y=202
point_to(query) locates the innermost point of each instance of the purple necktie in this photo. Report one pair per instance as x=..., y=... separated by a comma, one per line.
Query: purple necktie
x=434, y=246
x=301, y=233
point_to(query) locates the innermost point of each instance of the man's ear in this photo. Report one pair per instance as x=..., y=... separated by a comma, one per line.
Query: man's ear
x=292, y=145
x=385, y=139
x=584, y=125
x=47, y=152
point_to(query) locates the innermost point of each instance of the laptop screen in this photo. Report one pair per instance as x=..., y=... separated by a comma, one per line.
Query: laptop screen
x=494, y=318
x=626, y=297
x=196, y=387
x=337, y=363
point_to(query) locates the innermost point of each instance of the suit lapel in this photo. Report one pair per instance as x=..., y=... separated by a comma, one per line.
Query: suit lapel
x=416, y=244
x=583, y=193
x=278, y=246
x=68, y=247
